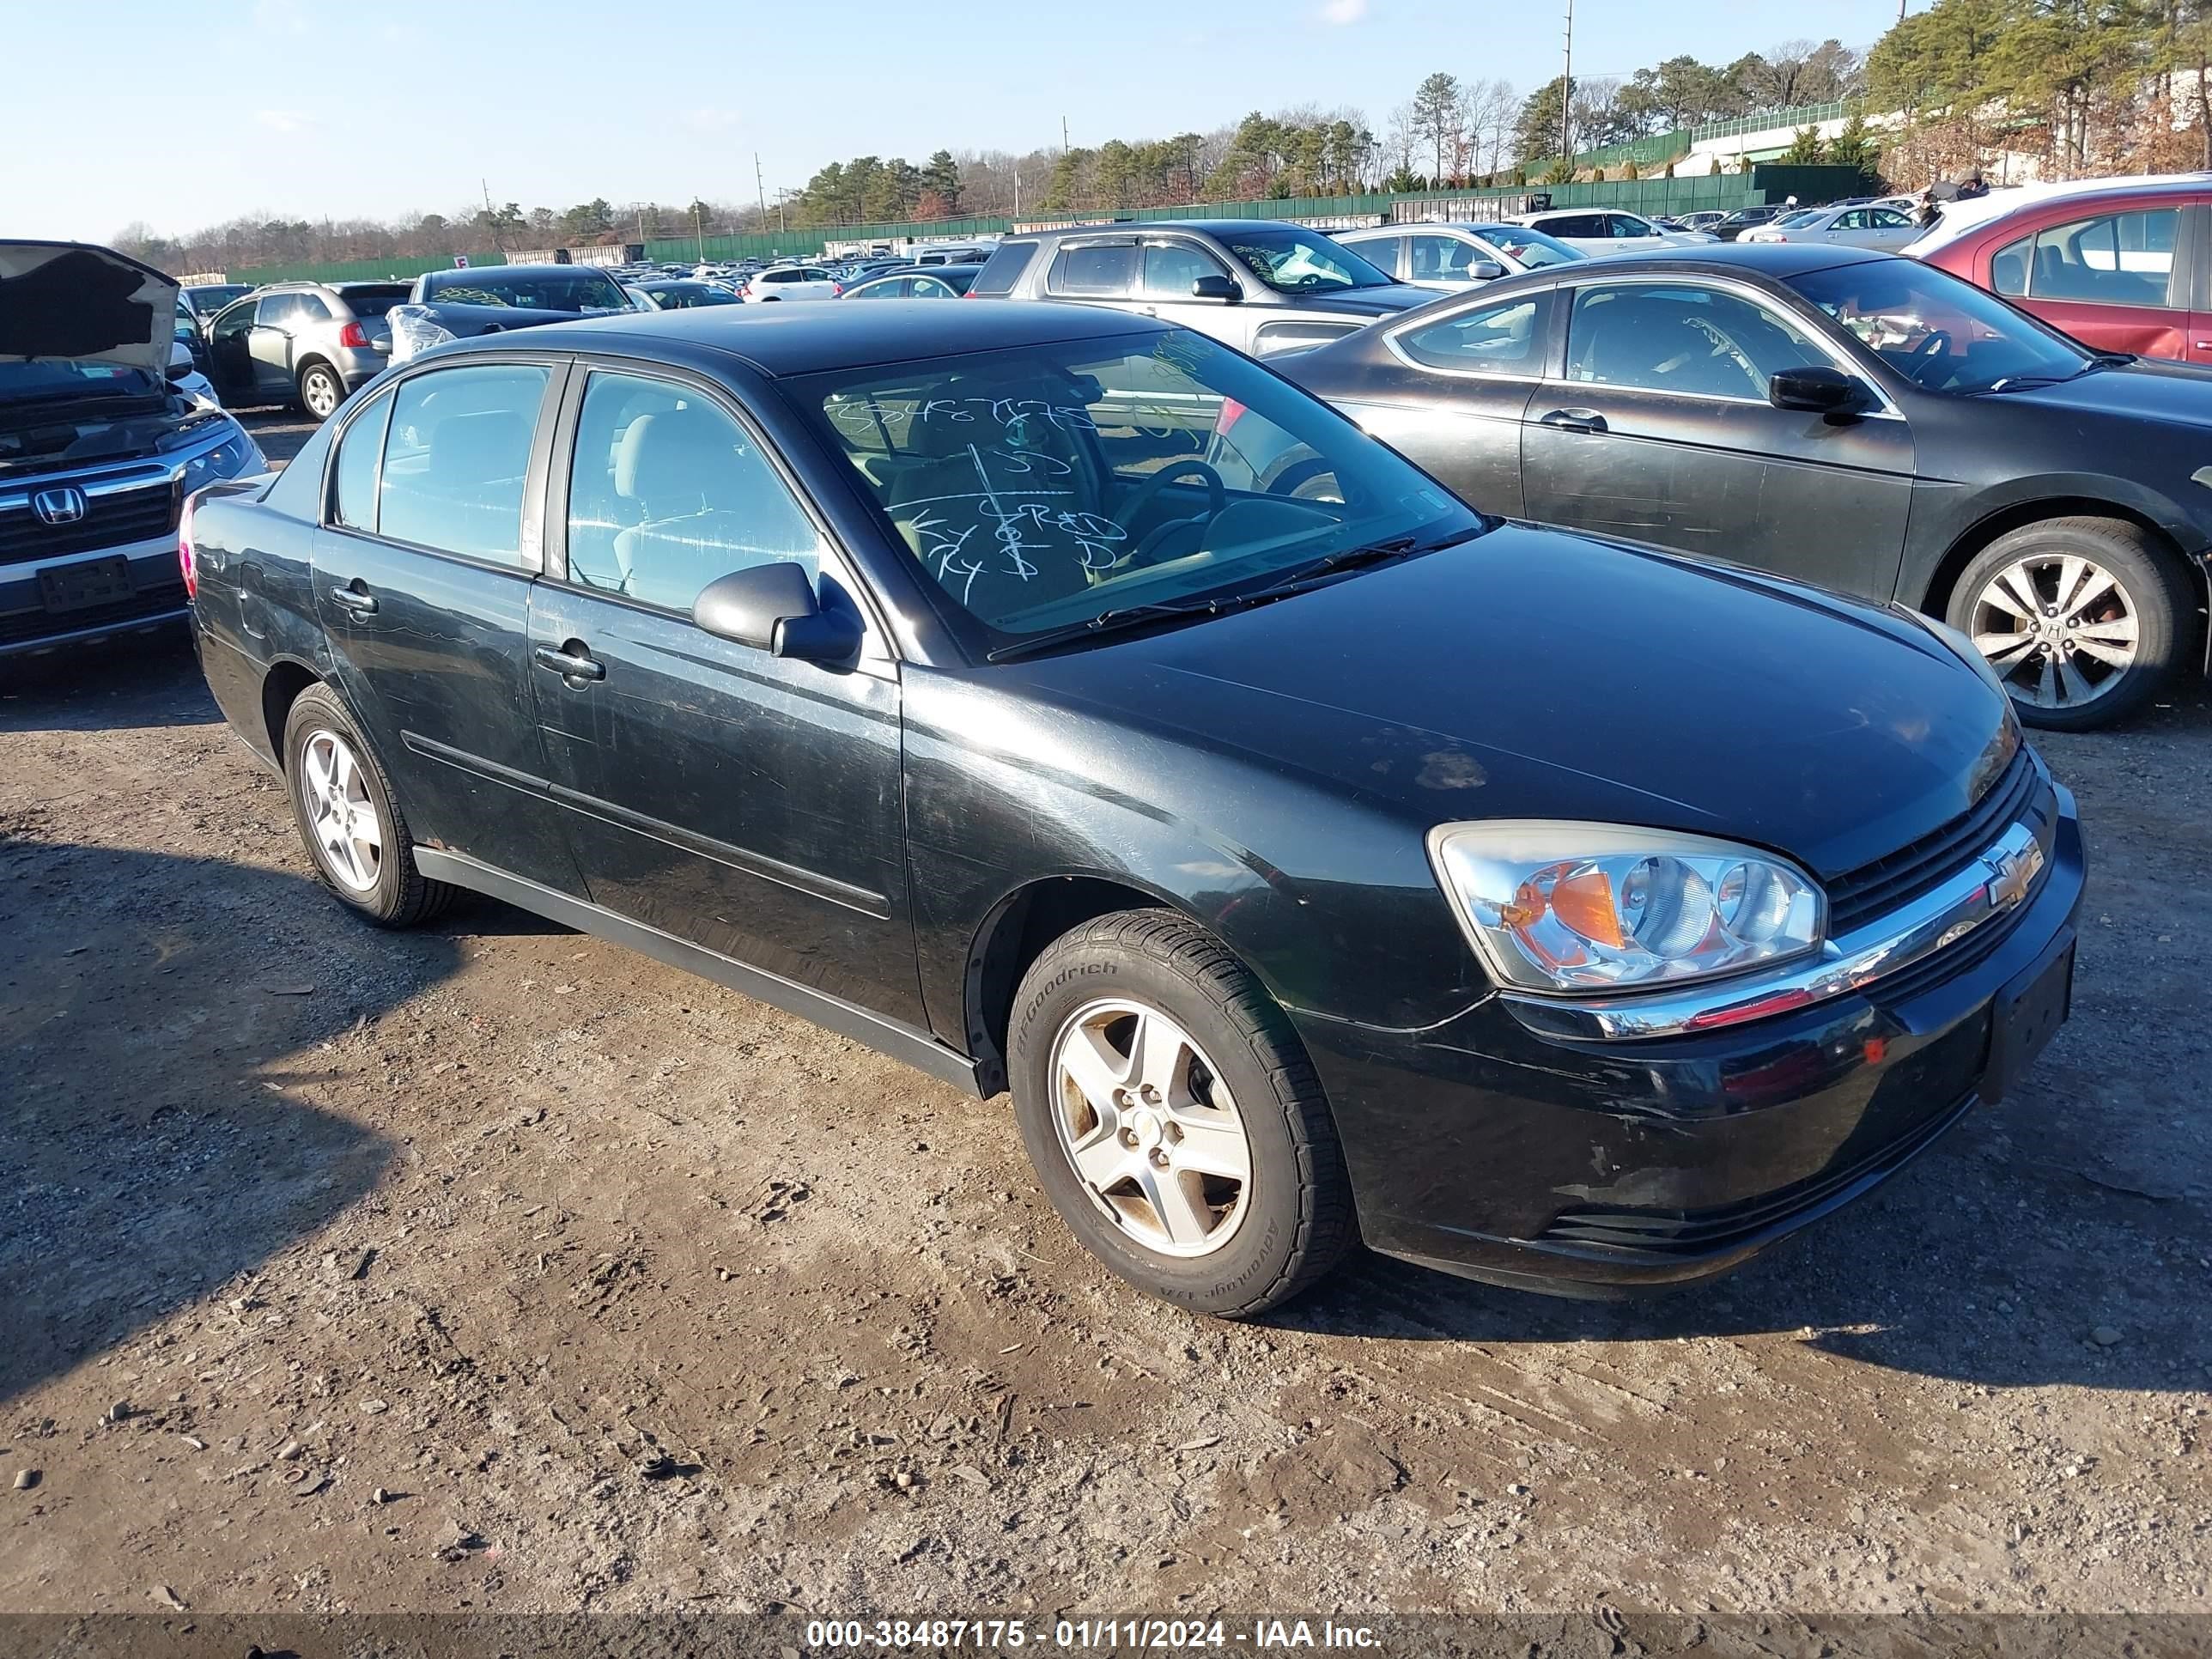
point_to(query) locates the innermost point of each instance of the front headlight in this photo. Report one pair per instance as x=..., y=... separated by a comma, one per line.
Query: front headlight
x=235, y=454
x=1560, y=906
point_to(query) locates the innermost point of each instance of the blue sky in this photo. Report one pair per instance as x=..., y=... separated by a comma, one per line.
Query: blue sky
x=302, y=108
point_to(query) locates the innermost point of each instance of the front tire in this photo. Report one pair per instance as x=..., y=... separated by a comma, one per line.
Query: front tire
x=2082, y=618
x=350, y=818
x=1173, y=1118
x=321, y=391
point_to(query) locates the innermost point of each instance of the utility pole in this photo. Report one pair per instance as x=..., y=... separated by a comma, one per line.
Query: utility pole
x=1063, y=133
x=761, y=188
x=698, y=229
x=1567, y=95
x=491, y=219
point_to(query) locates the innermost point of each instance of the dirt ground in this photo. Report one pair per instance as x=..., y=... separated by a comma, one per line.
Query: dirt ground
x=493, y=1266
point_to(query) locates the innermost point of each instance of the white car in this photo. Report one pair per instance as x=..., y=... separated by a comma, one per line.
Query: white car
x=1601, y=231
x=1455, y=257
x=792, y=283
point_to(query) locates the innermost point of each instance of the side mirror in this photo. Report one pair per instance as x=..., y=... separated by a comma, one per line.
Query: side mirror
x=1223, y=289
x=773, y=608
x=1485, y=270
x=1816, y=391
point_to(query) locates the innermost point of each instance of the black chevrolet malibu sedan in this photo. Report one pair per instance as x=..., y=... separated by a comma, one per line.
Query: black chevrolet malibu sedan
x=1540, y=908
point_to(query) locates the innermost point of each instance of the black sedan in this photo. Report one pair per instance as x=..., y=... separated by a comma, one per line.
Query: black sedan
x=1849, y=418
x=1547, y=910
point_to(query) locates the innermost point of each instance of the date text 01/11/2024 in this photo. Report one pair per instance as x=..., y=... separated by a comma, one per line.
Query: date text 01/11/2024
x=1092, y=1634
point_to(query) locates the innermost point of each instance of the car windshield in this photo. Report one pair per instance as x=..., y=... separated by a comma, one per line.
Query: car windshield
x=682, y=296
x=1044, y=487
x=582, y=290
x=1302, y=261
x=60, y=380
x=1532, y=247
x=214, y=298
x=1799, y=220
x=1945, y=334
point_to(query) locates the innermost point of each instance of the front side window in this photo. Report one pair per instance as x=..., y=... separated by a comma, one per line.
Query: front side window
x=1533, y=248
x=667, y=492
x=359, y=451
x=1627, y=225
x=1293, y=261
x=1505, y=339
x=456, y=457
x=1170, y=268
x=1944, y=334
x=1678, y=337
x=1097, y=271
x=2113, y=259
x=1439, y=258
x=1039, y=488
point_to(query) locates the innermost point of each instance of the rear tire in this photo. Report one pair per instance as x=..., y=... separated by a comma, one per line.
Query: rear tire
x=2083, y=618
x=1173, y=1118
x=321, y=391
x=349, y=817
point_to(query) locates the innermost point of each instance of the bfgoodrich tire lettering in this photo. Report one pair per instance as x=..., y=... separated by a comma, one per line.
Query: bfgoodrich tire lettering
x=377, y=878
x=1295, y=1219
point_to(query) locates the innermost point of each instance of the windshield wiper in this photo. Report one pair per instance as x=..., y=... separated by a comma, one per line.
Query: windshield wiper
x=2102, y=359
x=1215, y=604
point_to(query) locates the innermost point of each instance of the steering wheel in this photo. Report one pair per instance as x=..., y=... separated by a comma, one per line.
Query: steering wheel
x=1216, y=497
x=1922, y=356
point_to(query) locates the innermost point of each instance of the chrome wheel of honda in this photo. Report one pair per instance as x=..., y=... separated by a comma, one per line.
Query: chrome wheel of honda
x=341, y=816
x=2060, y=629
x=1150, y=1129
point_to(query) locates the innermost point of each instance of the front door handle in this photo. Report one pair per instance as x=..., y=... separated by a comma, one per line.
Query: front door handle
x=353, y=600
x=1574, y=420
x=571, y=662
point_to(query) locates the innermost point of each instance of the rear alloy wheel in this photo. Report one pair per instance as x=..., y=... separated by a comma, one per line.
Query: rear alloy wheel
x=350, y=818
x=320, y=391
x=2081, y=618
x=1173, y=1117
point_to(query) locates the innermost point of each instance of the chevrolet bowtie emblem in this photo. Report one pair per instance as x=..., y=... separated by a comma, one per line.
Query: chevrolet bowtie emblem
x=2012, y=875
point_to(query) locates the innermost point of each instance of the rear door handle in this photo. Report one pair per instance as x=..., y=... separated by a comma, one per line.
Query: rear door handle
x=361, y=604
x=1574, y=420
x=570, y=664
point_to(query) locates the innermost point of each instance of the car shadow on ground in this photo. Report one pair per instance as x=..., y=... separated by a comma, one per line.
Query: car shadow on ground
x=140, y=680
x=1976, y=1264
x=148, y=1005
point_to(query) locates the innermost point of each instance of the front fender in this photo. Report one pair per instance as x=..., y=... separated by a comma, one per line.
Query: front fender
x=1329, y=899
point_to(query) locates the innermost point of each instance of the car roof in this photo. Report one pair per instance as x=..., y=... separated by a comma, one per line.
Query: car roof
x=781, y=340
x=1223, y=227
x=1959, y=218
x=1777, y=261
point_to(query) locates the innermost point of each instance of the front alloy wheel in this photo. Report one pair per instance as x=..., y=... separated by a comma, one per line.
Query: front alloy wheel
x=1150, y=1129
x=1173, y=1118
x=2059, y=629
x=2081, y=618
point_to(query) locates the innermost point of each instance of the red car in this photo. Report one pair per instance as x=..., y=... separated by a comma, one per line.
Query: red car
x=2122, y=264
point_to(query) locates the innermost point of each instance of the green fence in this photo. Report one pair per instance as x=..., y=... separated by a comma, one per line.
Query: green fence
x=1660, y=148
x=1767, y=182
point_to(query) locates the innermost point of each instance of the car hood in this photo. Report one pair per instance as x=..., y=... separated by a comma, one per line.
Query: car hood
x=1528, y=673
x=1368, y=301
x=2148, y=388
x=70, y=302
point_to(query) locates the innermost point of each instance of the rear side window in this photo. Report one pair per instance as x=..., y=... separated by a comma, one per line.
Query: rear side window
x=456, y=455
x=1101, y=272
x=1005, y=268
x=1505, y=339
x=2113, y=259
x=1279, y=339
x=359, y=451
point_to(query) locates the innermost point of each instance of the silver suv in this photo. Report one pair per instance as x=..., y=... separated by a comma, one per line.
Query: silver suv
x=306, y=343
x=1261, y=285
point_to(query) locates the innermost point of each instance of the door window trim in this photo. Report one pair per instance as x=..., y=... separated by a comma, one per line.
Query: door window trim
x=528, y=560
x=1818, y=333
x=878, y=655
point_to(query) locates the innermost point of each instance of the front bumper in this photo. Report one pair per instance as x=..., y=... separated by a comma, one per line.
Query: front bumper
x=156, y=603
x=1592, y=1168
